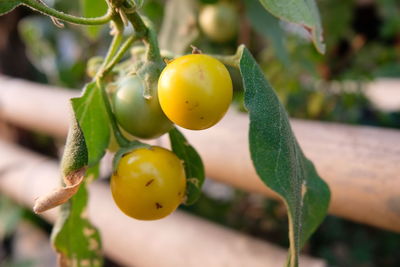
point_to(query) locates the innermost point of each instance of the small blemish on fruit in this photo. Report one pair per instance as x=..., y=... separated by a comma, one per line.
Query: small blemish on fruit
x=201, y=73
x=158, y=205
x=149, y=182
x=193, y=106
x=201, y=118
x=186, y=102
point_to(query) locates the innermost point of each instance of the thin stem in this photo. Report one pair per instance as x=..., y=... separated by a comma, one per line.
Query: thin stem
x=231, y=60
x=227, y=60
x=137, y=23
x=34, y=4
x=153, y=51
x=118, y=56
x=115, y=44
x=149, y=37
x=121, y=140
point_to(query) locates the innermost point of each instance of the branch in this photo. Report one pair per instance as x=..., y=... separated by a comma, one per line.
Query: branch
x=35, y=5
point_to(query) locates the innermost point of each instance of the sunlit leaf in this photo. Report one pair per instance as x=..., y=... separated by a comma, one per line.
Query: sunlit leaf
x=8, y=6
x=194, y=167
x=91, y=114
x=279, y=160
x=268, y=26
x=75, y=239
x=302, y=12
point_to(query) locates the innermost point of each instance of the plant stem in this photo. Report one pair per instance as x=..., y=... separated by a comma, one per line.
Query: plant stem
x=115, y=44
x=149, y=37
x=118, y=56
x=112, y=58
x=231, y=60
x=121, y=140
x=227, y=60
x=34, y=4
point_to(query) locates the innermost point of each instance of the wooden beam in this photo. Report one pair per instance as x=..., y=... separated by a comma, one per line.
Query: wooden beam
x=360, y=164
x=178, y=240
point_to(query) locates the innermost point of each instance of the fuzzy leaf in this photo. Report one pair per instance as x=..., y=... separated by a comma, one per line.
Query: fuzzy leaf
x=194, y=167
x=75, y=239
x=302, y=12
x=268, y=26
x=75, y=155
x=8, y=6
x=91, y=114
x=279, y=160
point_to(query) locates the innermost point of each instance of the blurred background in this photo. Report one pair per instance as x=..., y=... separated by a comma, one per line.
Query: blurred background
x=362, y=48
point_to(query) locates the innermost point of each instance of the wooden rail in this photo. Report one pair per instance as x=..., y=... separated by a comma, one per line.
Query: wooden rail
x=360, y=164
x=178, y=240
x=384, y=94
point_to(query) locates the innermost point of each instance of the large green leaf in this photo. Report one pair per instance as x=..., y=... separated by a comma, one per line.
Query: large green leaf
x=8, y=5
x=302, y=12
x=268, y=26
x=194, y=167
x=92, y=9
x=179, y=28
x=92, y=116
x=278, y=158
x=75, y=239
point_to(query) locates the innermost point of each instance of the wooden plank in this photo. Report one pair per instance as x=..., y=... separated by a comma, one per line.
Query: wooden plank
x=178, y=240
x=360, y=164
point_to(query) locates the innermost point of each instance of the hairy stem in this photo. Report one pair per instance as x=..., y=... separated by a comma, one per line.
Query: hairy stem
x=118, y=32
x=121, y=140
x=149, y=37
x=35, y=5
x=231, y=60
x=118, y=56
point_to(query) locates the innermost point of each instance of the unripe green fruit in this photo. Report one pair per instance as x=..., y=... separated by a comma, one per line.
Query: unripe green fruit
x=219, y=22
x=139, y=116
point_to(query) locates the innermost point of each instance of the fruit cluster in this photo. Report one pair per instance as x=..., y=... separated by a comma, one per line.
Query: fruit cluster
x=194, y=92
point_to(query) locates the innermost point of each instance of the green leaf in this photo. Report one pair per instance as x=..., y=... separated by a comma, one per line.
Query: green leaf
x=194, y=167
x=302, y=12
x=8, y=6
x=75, y=239
x=91, y=114
x=278, y=158
x=92, y=9
x=75, y=156
x=268, y=26
x=179, y=28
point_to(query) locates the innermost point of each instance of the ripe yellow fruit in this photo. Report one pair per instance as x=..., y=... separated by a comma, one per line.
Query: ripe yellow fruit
x=195, y=91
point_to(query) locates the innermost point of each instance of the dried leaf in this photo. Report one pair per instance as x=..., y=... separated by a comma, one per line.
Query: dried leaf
x=60, y=195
